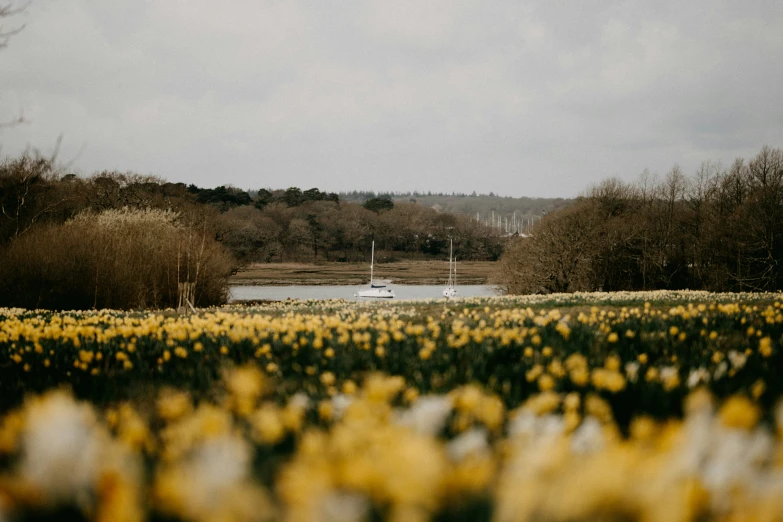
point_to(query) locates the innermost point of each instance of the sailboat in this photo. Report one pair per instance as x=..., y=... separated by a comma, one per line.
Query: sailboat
x=375, y=290
x=451, y=290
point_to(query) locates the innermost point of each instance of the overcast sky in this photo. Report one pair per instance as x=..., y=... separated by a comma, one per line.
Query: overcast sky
x=519, y=98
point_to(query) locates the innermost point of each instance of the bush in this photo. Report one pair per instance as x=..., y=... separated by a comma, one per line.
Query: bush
x=114, y=259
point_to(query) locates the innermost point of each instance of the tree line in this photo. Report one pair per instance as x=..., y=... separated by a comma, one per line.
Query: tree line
x=719, y=229
x=324, y=228
x=485, y=205
x=122, y=240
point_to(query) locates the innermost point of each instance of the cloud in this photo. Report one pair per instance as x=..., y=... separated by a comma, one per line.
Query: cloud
x=540, y=98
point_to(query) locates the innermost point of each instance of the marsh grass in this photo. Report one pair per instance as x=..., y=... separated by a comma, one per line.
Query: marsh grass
x=120, y=259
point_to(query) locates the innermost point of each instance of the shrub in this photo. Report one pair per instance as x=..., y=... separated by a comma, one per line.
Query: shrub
x=114, y=259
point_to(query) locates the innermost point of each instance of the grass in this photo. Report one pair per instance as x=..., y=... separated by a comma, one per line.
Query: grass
x=399, y=272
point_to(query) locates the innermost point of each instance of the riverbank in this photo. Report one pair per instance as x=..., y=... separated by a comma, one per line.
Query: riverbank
x=400, y=272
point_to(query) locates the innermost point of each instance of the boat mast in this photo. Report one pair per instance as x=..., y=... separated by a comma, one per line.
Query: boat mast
x=372, y=260
x=451, y=256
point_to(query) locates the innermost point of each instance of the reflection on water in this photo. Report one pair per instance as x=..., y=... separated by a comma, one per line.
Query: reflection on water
x=279, y=293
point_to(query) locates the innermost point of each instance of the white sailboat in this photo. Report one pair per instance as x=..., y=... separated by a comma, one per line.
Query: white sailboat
x=375, y=290
x=451, y=287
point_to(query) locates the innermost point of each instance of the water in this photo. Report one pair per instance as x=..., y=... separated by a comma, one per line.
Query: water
x=280, y=293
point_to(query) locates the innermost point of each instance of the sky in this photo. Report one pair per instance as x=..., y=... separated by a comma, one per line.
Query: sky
x=519, y=98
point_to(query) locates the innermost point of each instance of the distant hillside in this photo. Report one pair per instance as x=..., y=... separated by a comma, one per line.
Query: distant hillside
x=486, y=205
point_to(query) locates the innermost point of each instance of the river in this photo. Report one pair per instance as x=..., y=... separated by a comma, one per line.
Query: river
x=280, y=293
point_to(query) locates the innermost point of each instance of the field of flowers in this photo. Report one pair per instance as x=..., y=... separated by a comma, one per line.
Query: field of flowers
x=625, y=406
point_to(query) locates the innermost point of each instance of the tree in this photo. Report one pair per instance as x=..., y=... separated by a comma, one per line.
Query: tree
x=717, y=230
x=378, y=204
x=292, y=197
x=263, y=198
x=7, y=11
x=29, y=194
x=764, y=217
x=559, y=255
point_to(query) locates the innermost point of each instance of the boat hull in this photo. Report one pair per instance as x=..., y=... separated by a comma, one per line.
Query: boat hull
x=376, y=293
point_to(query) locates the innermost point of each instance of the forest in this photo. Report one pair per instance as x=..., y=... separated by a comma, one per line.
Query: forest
x=122, y=240
x=719, y=229
x=527, y=209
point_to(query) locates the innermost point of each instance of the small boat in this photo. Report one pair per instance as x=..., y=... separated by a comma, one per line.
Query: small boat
x=375, y=290
x=451, y=287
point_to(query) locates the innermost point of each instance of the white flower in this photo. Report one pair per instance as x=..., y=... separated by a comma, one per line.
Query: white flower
x=700, y=375
x=340, y=403
x=427, y=415
x=733, y=459
x=212, y=470
x=668, y=372
x=61, y=446
x=300, y=400
x=720, y=371
x=632, y=371
x=738, y=359
x=471, y=442
x=589, y=437
x=528, y=424
x=341, y=506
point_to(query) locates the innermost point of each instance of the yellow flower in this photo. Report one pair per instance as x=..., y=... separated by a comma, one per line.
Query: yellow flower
x=765, y=346
x=572, y=402
x=542, y=403
x=579, y=376
x=325, y=410
x=349, y=387
x=173, y=404
x=598, y=408
x=327, y=378
x=739, y=412
x=572, y=419
x=642, y=428
x=758, y=388
x=533, y=373
x=267, y=425
x=546, y=382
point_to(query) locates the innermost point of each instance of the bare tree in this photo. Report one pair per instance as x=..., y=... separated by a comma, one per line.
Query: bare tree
x=560, y=254
x=8, y=10
x=718, y=230
x=763, y=218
